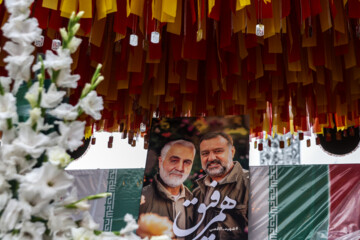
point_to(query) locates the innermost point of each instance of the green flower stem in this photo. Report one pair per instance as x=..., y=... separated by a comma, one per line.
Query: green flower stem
x=9, y=123
x=54, y=76
x=2, y=92
x=91, y=197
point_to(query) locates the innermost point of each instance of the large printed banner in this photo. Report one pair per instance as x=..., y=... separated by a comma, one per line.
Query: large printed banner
x=125, y=186
x=314, y=202
x=196, y=182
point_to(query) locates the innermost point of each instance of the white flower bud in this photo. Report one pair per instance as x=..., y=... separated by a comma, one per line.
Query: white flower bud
x=76, y=28
x=35, y=114
x=80, y=14
x=64, y=34
x=72, y=17
x=99, y=80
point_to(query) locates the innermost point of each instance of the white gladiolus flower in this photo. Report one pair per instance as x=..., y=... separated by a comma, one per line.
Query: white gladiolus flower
x=58, y=156
x=22, y=31
x=61, y=60
x=18, y=7
x=7, y=110
x=5, y=83
x=13, y=212
x=60, y=222
x=31, y=231
x=48, y=181
x=74, y=44
x=52, y=97
x=83, y=233
x=71, y=135
x=19, y=60
x=66, y=80
x=8, y=135
x=32, y=94
x=4, y=198
x=65, y=111
x=92, y=105
x=7, y=106
x=88, y=222
x=64, y=34
x=35, y=114
x=31, y=142
x=130, y=226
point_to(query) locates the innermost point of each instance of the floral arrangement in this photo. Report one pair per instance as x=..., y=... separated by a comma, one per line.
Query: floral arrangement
x=35, y=200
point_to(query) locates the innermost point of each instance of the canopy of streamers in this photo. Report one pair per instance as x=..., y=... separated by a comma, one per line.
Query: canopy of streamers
x=303, y=72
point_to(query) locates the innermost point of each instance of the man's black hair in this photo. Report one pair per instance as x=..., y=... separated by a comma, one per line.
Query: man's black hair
x=211, y=135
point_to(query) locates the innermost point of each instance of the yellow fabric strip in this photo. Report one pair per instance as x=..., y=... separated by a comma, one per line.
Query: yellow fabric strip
x=169, y=10
x=350, y=58
x=211, y=4
x=325, y=18
x=269, y=27
x=100, y=9
x=52, y=4
x=67, y=7
x=86, y=6
x=175, y=27
x=97, y=32
x=275, y=45
x=192, y=69
x=239, y=21
x=137, y=7
x=242, y=3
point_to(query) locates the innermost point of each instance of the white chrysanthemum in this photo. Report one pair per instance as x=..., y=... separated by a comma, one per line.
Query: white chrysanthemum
x=52, y=97
x=65, y=111
x=31, y=142
x=92, y=105
x=48, y=181
x=59, y=61
x=18, y=7
x=66, y=80
x=22, y=31
x=71, y=134
x=14, y=212
x=7, y=110
x=58, y=156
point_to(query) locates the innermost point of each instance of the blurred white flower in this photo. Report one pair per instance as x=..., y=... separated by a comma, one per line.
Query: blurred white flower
x=18, y=67
x=14, y=211
x=130, y=226
x=83, y=233
x=92, y=105
x=16, y=163
x=71, y=134
x=32, y=94
x=88, y=222
x=7, y=110
x=61, y=60
x=22, y=31
x=31, y=231
x=58, y=156
x=74, y=44
x=31, y=142
x=65, y=111
x=8, y=135
x=60, y=222
x=66, y=80
x=4, y=198
x=52, y=97
x=48, y=181
x=18, y=7
x=5, y=83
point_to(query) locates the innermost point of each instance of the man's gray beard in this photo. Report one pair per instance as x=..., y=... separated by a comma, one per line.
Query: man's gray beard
x=172, y=181
x=217, y=172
